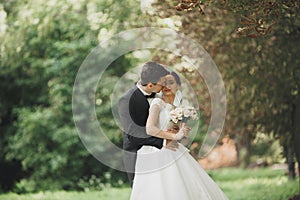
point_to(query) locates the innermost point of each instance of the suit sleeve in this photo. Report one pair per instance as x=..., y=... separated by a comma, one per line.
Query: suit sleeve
x=130, y=126
x=136, y=133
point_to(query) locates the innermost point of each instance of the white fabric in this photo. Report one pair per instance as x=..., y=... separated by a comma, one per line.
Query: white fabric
x=178, y=97
x=171, y=175
x=152, y=128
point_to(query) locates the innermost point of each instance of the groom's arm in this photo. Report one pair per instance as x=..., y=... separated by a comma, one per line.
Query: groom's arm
x=136, y=134
x=144, y=140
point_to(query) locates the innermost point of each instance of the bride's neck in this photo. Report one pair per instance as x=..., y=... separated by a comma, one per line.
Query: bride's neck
x=168, y=99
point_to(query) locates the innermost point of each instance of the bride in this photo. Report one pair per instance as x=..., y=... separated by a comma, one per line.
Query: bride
x=166, y=174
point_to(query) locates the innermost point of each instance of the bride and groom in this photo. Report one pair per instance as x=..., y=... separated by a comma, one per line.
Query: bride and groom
x=158, y=166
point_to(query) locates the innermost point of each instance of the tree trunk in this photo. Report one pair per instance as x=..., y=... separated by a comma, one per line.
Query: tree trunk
x=289, y=155
x=296, y=133
x=245, y=152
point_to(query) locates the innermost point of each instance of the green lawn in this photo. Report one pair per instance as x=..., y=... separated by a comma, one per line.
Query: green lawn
x=256, y=184
x=238, y=184
x=109, y=194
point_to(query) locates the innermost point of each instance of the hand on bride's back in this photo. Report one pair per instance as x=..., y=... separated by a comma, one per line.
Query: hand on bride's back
x=172, y=145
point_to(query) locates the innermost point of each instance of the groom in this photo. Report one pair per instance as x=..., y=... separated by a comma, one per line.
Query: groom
x=134, y=111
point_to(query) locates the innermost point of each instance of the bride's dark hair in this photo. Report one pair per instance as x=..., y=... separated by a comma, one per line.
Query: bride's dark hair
x=177, y=78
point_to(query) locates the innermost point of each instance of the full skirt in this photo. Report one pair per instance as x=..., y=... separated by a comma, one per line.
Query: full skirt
x=172, y=175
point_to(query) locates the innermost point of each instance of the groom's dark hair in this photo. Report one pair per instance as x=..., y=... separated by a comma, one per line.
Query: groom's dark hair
x=152, y=72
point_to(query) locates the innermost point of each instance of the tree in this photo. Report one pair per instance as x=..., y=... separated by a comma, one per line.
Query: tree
x=43, y=46
x=254, y=67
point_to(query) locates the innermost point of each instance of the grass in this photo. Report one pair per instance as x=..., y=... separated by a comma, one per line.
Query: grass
x=238, y=184
x=109, y=194
x=256, y=184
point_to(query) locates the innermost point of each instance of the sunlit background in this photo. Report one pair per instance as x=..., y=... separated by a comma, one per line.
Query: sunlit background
x=255, y=45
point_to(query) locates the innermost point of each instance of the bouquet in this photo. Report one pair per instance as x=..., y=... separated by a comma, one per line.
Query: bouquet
x=182, y=114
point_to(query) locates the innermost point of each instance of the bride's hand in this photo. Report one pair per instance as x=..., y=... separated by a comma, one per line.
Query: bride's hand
x=187, y=129
x=183, y=131
x=173, y=130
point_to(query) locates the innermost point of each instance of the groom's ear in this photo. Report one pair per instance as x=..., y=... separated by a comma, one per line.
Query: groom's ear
x=150, y=85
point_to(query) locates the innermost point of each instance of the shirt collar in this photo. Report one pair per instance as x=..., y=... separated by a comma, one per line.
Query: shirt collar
x=138, y=85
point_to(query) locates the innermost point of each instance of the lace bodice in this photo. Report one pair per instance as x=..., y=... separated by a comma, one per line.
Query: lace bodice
x=159, y=116
x=164, y=116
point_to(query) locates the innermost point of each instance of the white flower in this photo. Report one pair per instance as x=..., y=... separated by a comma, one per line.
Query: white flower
x=176, y=114
x=183, y=112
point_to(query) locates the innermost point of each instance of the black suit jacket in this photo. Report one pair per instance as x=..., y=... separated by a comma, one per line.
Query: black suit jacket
x=133, y=112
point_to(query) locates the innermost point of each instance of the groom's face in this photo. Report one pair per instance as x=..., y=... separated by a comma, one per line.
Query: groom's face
x=159, y=85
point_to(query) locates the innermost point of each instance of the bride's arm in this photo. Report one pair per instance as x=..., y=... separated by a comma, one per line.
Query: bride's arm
x=152, y=121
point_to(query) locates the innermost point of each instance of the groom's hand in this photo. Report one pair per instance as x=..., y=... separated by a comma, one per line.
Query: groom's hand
x=172, y=145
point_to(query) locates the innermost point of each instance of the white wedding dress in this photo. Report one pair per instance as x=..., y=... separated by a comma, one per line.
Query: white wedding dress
x=163, y=174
